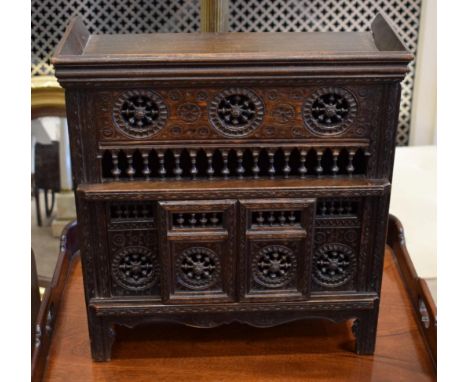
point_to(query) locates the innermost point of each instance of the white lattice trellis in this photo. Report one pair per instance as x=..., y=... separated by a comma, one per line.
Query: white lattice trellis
x=334, y=16
x=50, y=17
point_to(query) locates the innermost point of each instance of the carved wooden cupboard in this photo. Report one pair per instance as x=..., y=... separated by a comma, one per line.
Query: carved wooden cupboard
x=232, y=177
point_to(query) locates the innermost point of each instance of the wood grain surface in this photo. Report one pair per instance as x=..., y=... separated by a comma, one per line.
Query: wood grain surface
x=299, y=351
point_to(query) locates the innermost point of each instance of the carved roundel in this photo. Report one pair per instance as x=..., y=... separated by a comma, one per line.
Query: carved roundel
x=198, y=268
x=329, y=111
x=135, y=268
x=140, y=113
x=334, y=264
x=236, y=112
x=274, y=266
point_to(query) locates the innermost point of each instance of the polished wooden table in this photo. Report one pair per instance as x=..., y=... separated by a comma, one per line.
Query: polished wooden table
x=299, y=351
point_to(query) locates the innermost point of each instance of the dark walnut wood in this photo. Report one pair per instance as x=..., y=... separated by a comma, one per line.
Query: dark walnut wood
x=232, y=177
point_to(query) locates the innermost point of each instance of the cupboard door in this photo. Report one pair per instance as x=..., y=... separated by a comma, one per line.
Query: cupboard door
x=275, y=248
x=198, y=250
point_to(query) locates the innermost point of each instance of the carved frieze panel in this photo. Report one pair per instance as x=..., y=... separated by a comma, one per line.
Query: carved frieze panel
x=319, y=109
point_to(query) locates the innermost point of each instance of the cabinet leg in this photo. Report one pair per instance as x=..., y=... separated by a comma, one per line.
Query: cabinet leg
x=365, y=330
x=102, y=338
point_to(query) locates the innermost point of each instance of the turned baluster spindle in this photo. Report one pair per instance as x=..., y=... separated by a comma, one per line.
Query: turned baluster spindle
x=302, y=167
x=177, y=168
x=193, y=220
x=255, y=168
x=115, y=165
x=144, y=211
x=323, y=209
x=180, y=220
x=146, y=170
x=271, y=162
x=214, y=219
x=332, y=208
x=271, y=218
x=287, y=167
x=282, y=218
x=130, y=169
x=193, y=160
x=319, y=168
x=335, y=167
x=240, y=168
x=125, y=211
x=162, y=164
x=350, y=167
x=260, y=218
x=203, y=219
x=210, y=170
x=340, y=208
x=348, y=208
x=367, y=155
x=225, y=170
x=118, y=211
x=292, y=218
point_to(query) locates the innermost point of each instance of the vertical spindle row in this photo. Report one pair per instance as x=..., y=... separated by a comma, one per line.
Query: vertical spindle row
x=273, y=162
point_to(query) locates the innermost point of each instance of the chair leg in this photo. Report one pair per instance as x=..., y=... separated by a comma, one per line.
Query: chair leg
x=49, y=210
x=38, y=206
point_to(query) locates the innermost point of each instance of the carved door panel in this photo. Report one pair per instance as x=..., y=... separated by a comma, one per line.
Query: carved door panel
x=275, y=249
x=198, y=251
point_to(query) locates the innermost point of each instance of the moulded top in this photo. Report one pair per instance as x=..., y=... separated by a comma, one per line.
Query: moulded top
x=79, y=49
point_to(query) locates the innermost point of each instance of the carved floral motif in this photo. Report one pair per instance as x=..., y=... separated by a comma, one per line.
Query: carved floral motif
x=236, y=112
x=189, y=112
x=140, y=113
x=274, y=266
x=334, y=264
x=135, y=268
x=329, y=111
x=198, y=268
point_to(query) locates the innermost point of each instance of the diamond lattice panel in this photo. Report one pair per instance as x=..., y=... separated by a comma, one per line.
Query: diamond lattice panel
x=49, y=19
x=334, y=16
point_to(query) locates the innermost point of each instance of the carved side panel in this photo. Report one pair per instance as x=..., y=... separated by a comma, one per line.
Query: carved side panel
x=275, y=248
x=198, y=251
x=133, y=257
x=337, y=259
